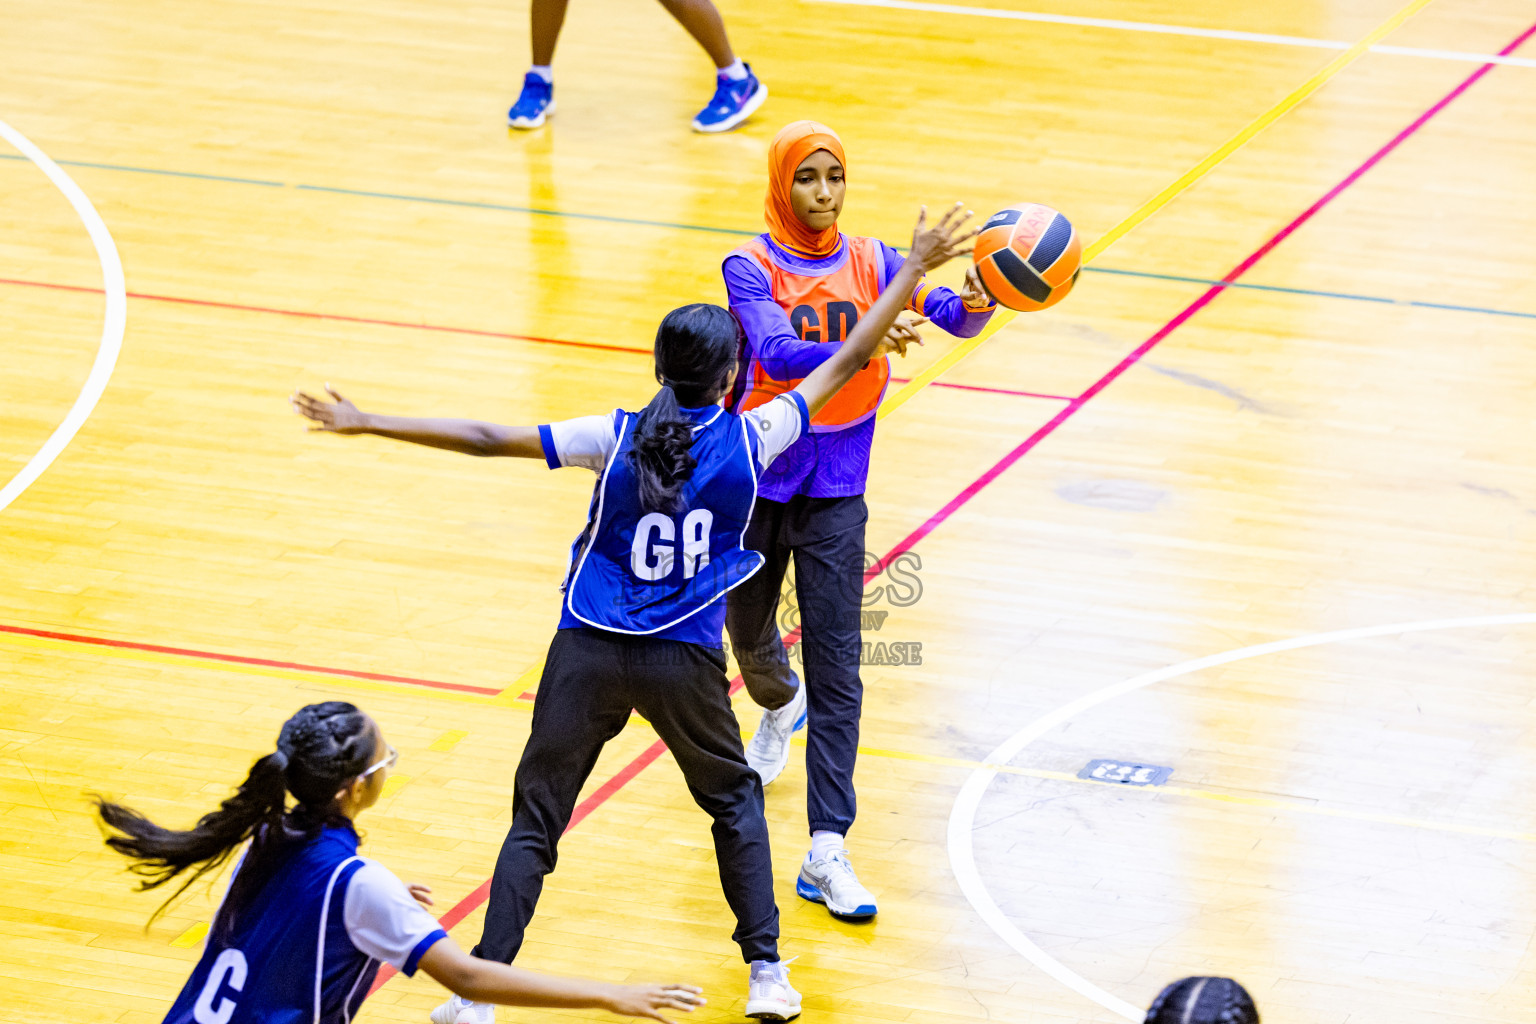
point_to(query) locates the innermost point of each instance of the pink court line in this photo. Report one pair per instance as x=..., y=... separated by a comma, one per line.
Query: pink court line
x=438, y=328
x=471, y=902
x=1194, y=307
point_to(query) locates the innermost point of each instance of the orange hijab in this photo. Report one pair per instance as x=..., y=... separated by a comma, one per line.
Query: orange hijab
x=793, y=144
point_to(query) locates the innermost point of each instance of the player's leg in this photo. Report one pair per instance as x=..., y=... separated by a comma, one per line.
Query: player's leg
x=682, y=690
x=737, y=91
x=828, y=538
x=582, y=704
x=537, y=99
x=751, y=620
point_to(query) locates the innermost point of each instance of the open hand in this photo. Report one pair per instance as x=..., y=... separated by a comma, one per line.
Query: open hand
x=901, y=334
x=338, y=417
x=650, y=1000
x=974, y=294
x=933, y=247
x=420, y=893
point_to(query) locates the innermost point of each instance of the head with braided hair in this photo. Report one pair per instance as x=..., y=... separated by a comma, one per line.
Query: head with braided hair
x=1203, y=1001
x=330, y=757
x=696, y=349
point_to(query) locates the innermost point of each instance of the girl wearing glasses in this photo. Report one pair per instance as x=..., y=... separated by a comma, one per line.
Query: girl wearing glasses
x=306, y=922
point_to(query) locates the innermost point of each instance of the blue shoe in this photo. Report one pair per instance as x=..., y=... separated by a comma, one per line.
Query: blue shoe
x=732, y=104
x=831, y=882
x=537, y=101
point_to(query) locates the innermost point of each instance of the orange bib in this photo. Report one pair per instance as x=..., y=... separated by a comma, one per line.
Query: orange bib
x=824, y=309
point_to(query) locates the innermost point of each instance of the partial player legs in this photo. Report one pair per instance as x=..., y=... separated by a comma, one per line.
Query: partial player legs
x=751, y=613
x=702, y=20
x=582, y=704
x=752, y=621
x=828, y=539
x=683, y=692
x=737, y=90
x=545, y=19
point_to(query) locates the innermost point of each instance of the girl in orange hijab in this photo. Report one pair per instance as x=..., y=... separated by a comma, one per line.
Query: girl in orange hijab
x=798, y=289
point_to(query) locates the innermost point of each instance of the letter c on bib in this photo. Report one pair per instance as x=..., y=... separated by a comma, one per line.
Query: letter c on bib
x=227, y=974
x=641, y=552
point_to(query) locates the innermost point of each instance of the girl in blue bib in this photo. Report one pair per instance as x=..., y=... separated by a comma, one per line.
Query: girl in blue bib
x=644, y=609
x=306, y=922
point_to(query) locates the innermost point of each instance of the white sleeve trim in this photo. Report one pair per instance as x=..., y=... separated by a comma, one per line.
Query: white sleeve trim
x=586, y=441
x=382, y=918
x=780, y=423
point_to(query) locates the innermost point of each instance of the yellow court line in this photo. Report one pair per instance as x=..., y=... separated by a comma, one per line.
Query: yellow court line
x=447, y=741
x=192, y=936
x=1166, y=196
x=512, y=695
x=1268, y=803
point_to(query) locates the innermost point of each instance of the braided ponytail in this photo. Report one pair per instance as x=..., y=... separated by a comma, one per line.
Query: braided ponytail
x=695, y=348
x=320, y=749
x=659, y=457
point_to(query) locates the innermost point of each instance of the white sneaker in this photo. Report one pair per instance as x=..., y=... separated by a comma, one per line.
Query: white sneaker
x=768, y=752
x=831, y=881
x=769, y=993
x=462, y=1011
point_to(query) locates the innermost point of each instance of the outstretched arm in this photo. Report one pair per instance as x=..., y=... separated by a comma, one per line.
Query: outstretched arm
x=471, y=437
x=486, y=981
x=772, y=340
x=963, y=314
x=931, y=248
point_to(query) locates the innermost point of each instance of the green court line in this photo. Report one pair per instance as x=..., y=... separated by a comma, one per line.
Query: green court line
x=736, y=232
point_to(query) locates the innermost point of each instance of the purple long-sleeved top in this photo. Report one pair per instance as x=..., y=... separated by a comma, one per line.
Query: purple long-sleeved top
x=823, y=464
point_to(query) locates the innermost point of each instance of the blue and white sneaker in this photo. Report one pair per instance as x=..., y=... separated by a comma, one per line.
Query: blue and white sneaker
x=768, y=752
x=831, y=881
x=732, y=103
x=536, y=101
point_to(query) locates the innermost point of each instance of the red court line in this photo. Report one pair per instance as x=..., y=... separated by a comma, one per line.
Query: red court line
x=992, y=391
x=474, y=899
x=438, y=328
x=240, y=659
x=334, y=316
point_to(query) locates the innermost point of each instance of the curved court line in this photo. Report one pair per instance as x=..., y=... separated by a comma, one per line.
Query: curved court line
x=933, y=522
x=113, y=324
x=1232, y=35
x=962, y=818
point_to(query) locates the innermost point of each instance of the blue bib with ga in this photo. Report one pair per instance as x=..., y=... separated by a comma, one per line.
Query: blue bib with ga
x=287, y=959
x=652, y=574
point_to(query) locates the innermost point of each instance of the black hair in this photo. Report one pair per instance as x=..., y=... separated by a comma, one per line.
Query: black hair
x=696, y=347
x=1203, y=1001
x=319, y=750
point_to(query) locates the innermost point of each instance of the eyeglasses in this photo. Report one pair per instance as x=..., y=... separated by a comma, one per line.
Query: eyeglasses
x=390, y=760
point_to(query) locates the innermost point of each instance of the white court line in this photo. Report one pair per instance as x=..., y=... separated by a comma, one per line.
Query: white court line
x=1179, y=30
x=962, y=819
x=112, y=327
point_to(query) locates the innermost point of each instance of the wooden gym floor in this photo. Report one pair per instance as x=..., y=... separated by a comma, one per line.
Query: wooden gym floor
x=309, y=192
